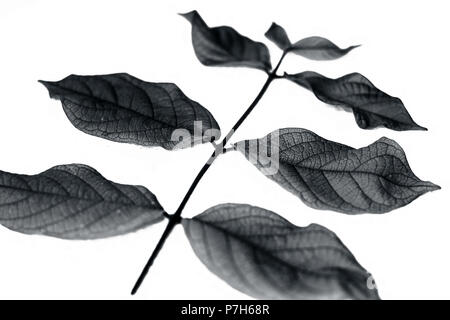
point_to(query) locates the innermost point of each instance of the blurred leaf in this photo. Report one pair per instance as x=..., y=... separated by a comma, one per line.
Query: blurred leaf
x=278, y=35
x=263, y=255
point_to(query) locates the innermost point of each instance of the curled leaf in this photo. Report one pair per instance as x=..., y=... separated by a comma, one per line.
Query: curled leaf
x=331, y=176
x=265, y=256
x=74, y=202
x=372, y=107
x=122, y=108
x=278, y=35
x=224, y=46
x=314, y=48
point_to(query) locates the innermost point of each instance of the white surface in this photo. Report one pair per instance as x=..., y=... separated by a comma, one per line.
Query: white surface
x=405, y=53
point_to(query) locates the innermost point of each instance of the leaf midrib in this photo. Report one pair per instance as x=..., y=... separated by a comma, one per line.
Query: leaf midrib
x=102, y=199
x=60, y=97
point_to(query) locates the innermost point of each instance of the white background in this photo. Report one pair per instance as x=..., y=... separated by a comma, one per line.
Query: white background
x=405, y=52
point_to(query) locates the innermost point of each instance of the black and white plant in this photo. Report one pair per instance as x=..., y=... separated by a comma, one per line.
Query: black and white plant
x=253, y=249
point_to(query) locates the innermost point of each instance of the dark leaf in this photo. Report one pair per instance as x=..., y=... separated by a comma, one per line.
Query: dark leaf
x=224, y=46
x=122, y=108
x=318, y=48
x=74, y=202
x=328, y=175
x=371, y=106
x=263, y=255
x=278, y=35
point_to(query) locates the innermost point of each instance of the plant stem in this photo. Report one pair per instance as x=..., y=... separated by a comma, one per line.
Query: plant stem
x=175, y=218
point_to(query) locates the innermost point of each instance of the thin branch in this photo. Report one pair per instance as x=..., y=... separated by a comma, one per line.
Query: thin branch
x=176, y=217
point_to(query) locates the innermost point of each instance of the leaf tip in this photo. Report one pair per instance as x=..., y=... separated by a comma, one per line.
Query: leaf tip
x=434, y=187
x=47, y=85
x=351, y=48
x=43, y=82
x=420, y=128
x=414, y=126
x=427, y=186
x=272, y=26
x=189, y=15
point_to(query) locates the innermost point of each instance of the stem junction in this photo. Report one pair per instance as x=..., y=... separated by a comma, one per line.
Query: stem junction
x=220, y=148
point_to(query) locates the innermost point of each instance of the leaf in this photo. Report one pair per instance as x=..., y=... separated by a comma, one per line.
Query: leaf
x=314, y=48
x=224, y=46
x=372, y=107
x=318, y=48
x=263, y=255
x=122, y=108
x=278, y=35
x=331, y=176
x=74, y=202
